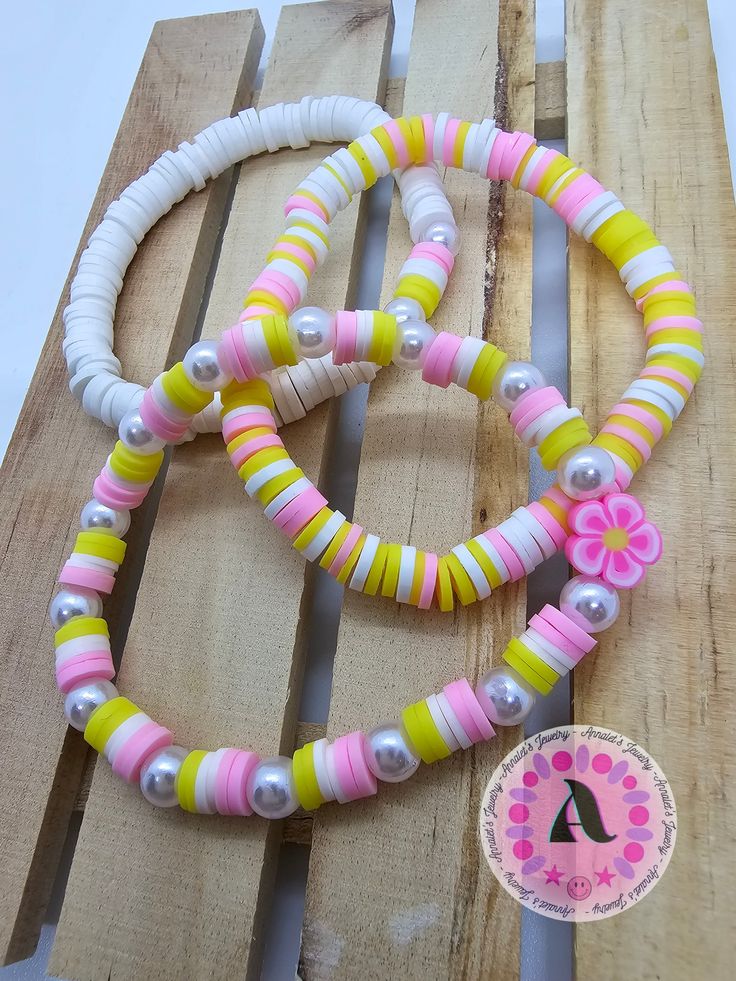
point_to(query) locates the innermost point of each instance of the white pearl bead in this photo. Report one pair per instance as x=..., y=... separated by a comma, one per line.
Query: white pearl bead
x=505, y=697
x=137, y=436
x=81, y=702
x=99, y=517
x=203, y=369
x=444, y=233
x=590, y=603
x=413, y=341
x=77, y=601
x=313, y=332
x=515, y=379
x=405, y=308
x=389, y=754
x=270, y=790
x=158, y=776
x=586, y=472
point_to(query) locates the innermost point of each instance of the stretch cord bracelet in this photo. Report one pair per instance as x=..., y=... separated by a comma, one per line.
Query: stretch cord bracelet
x=94, y=370
x=612, y=542
x=586, y=466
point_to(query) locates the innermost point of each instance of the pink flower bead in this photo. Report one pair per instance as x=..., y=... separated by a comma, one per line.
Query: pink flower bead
x=612, y=539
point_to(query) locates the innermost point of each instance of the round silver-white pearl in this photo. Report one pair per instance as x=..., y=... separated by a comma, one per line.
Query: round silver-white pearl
x=413, y=341
x=515, y=379
x=405, y=308
x=389, y=754
x=586, y=472
x=75, y=602
x=444, y=233
x=203, y=369
x=314, y=331
x=271, y=791
x=81, y=702
x=108, y=521
x=505, y=696
x=158, y=776
x=135, y=434
x=590, y=603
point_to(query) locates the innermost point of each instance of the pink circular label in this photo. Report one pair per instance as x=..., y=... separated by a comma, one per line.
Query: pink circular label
x=578, y=823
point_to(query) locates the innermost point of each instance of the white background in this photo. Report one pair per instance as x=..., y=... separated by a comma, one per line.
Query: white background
x=66, y=70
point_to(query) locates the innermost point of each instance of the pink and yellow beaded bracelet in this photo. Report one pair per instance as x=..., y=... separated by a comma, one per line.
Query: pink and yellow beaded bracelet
x=605, y=531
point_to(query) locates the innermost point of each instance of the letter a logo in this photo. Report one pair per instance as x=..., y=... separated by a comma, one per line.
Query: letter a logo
x=589, y=816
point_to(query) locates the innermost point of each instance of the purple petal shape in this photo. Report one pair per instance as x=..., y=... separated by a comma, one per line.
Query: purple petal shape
x=519, y=831
x=541, y=765
x=524, y=794
x=623, y=867
x=618, y=771
x=534, y=864
x=636, y=797
x=639, y=834
x=582, y=758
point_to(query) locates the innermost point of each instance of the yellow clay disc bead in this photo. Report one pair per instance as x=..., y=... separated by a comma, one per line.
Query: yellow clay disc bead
x=557, y=512
x=391, y=575
x=261, y=459
x=521, y=167
x=237, y=394
x=344, y=573
x=367, y=169
x=262, y=298
x=418, y=578
x=443, y=589
x=331, y=170
x=614, y=444
x=565, y=184
x=317, y=523
x=375, y=574
x=672, y=335
x=305, y=778
x=654, y=410
x=105, y=720
x=103, y=546
x=186, y=779
x=642, y=290
x=423, y=733
x=568, y=436
x=462, y=584
x=553, y=173
x=80, y=627
x=535, y=662
x=332, y=549
x=483, y=559
x=278, y=483
x=515, y=662
x=419, y=143
x=684, y=365
x=386, y=144
x=635, y=426
x=129, y=465
x=182, y=393
x=459, y=145
x=300, y=243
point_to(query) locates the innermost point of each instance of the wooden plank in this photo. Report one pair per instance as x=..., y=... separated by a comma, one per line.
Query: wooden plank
x=665, y=674
x=397, y=884
x=549, y=99
x=56, y=449
x=210, y=648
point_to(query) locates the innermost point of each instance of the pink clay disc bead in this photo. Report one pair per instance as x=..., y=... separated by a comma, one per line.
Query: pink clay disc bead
x=133, y=754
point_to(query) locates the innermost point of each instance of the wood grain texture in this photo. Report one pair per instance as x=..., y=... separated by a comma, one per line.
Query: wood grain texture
x=214, y=647
x=645, y=117
x=56, y=449
x=549, y=99
x=397, y=886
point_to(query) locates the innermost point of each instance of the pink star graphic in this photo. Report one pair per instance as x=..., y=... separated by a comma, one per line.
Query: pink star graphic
x=604, y=877
x=554, y=875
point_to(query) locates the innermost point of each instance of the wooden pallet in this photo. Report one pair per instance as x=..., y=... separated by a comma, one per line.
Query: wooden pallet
x=396, y=888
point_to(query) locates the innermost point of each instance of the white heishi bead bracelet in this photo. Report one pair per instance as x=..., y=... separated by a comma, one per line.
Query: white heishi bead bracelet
x=95, y=372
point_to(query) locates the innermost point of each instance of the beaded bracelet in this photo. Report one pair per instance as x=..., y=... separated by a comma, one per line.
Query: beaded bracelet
x=538, y=412
x=612, y=541
x=95, y=372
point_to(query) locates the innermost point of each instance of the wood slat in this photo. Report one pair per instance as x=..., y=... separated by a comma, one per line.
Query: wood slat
x=214, y=649
x=56, y=449
x=397, y=884
x=665, y=674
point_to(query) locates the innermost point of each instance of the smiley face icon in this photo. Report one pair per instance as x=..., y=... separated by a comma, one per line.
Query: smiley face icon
x=579, y=888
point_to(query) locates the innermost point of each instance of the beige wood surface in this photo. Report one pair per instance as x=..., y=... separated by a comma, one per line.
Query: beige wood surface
x=214, y=649
x=56, y=450
x=653, y=133
x=397, y=886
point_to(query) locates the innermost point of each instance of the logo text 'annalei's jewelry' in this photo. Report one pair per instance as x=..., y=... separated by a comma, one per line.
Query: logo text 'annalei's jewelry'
x=578, y=823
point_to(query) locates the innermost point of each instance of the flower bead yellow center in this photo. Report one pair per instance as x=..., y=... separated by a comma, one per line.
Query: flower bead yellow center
x=616, y=539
